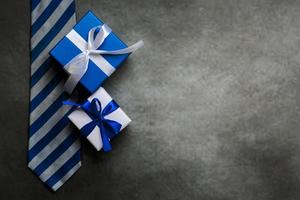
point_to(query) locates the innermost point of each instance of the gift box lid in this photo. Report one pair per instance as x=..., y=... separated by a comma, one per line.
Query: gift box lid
x=66, y=50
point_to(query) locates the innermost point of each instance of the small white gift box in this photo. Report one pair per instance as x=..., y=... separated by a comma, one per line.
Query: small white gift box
x=80, y=118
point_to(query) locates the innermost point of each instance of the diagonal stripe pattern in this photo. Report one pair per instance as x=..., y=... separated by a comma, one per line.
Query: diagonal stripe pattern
x=54, y=146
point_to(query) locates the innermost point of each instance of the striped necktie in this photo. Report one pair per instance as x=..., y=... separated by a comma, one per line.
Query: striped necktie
x=54, y=146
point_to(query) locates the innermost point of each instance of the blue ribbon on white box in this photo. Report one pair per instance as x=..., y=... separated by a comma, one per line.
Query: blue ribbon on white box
x=78, y=66
x=99, y=119
x=108, y=128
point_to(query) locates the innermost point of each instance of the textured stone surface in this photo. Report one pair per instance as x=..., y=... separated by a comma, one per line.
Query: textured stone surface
x=214, y=98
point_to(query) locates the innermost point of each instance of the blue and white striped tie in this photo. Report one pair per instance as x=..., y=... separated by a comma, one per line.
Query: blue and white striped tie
x=54, y=146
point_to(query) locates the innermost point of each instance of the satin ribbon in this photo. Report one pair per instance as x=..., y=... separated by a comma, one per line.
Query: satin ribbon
x=108, y=128
x=78, y=66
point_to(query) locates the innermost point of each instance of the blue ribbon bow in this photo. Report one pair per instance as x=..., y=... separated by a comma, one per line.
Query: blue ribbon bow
x=108, y=128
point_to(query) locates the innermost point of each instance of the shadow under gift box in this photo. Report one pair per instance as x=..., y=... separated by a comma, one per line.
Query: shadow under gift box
x=66, y=50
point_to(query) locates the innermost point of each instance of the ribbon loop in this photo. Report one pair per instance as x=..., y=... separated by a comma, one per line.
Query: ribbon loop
x=78, y=66
x=108, y=128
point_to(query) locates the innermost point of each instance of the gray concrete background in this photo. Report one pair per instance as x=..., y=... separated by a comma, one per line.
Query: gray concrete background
x=214, y=98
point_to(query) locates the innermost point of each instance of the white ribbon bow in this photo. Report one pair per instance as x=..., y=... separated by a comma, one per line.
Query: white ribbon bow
x=78, y=66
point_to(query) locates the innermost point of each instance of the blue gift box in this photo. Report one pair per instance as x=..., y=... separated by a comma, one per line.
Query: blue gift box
x=66, y=50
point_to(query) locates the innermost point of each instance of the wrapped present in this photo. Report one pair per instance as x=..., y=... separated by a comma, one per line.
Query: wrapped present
x=90, y=53
x=99, y=119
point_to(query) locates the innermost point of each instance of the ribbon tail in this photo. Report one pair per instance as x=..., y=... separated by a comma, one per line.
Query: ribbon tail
x=129, y=49
x=70, y=103
x=71, y=83
x=105, y=140
x=76, y=71
x=88, y=128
